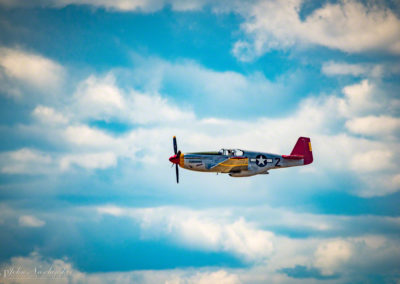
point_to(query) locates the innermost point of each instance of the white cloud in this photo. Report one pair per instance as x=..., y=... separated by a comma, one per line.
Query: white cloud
x=374, y=160
x=25, y=161
x=353, y=26
x=352, y=258
x=354, y=254
x=152, y=109
x=379, y=183
x=394, y=182
x=315, y=117
x=31, y=70
x=199, y=230
x=101, y=98
x=374, y=125
x=335, y=68
x=330, y=255
x=83, y=135
x=190, y=78
x=322, y=118
x=220, y=276
x=364, y=70
x=332, y=68
x=48, y=115
x=348, y=25
x=30, y=221
x=89, y=161
x=348, y=257
x=244, y=51
x=208, y=229
x=360, y=98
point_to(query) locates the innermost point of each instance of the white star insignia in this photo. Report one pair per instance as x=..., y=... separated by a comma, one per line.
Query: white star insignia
x=261, y=160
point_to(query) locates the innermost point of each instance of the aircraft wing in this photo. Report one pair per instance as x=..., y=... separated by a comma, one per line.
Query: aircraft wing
x=232, y=164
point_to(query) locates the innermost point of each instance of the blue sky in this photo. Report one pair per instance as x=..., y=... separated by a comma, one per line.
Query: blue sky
x=92, y=91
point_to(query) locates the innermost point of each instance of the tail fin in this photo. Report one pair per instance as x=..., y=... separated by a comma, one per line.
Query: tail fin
x=303, y=148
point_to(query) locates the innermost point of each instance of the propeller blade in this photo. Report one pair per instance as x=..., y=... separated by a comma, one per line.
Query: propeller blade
x=177, y=173
x=175, y=145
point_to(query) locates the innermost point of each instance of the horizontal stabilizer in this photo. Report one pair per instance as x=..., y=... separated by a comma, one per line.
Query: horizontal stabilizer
x=293, y=157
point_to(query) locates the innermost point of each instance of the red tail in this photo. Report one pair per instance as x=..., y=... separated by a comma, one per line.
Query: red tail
x=303, y=148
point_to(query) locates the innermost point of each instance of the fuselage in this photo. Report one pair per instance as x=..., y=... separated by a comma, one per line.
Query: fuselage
x=242, y=163
x=235, y=162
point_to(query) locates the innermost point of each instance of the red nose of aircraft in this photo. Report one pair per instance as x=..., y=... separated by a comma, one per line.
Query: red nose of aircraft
x=174, y=159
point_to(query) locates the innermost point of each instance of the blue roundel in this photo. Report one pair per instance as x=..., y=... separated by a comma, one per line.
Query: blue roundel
x=261, y=161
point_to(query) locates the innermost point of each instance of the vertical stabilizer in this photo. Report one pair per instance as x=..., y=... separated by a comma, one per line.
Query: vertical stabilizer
x=303, y=148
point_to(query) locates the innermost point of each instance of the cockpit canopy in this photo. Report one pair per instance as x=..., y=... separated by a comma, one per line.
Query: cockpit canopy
x=231, y=152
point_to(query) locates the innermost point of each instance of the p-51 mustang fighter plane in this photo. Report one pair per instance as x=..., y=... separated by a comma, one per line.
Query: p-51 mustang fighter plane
x=242, y=163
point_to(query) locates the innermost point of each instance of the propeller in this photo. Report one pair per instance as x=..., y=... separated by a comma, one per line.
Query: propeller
x=175, y=158
x=175, y=145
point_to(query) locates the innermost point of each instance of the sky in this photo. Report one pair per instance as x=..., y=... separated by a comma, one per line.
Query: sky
x=92, y=92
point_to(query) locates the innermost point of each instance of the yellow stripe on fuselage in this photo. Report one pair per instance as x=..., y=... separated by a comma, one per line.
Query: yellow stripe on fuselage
x=181, y=161
x=309, y=146
x=232, y=163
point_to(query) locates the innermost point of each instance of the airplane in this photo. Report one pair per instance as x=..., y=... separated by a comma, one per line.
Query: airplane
x=241, y=163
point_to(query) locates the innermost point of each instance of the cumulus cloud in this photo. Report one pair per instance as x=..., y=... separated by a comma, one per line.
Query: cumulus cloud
x=330, y=255
x=83, y=135
x=349, y=26
x=363, y=70
x=21, y=70
x=89, y=161
x=333, y=68
x=374, y=125
x=321, y=118
x=362, y=257
x=374, y=160
x=25, y=161
x=200, y=230
x=101, y=98
x=151, y=109
x=337, y=258
x=220, y=276
x=334, y=123
x=48, y=115
x=188, y=78
x=364, y=98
